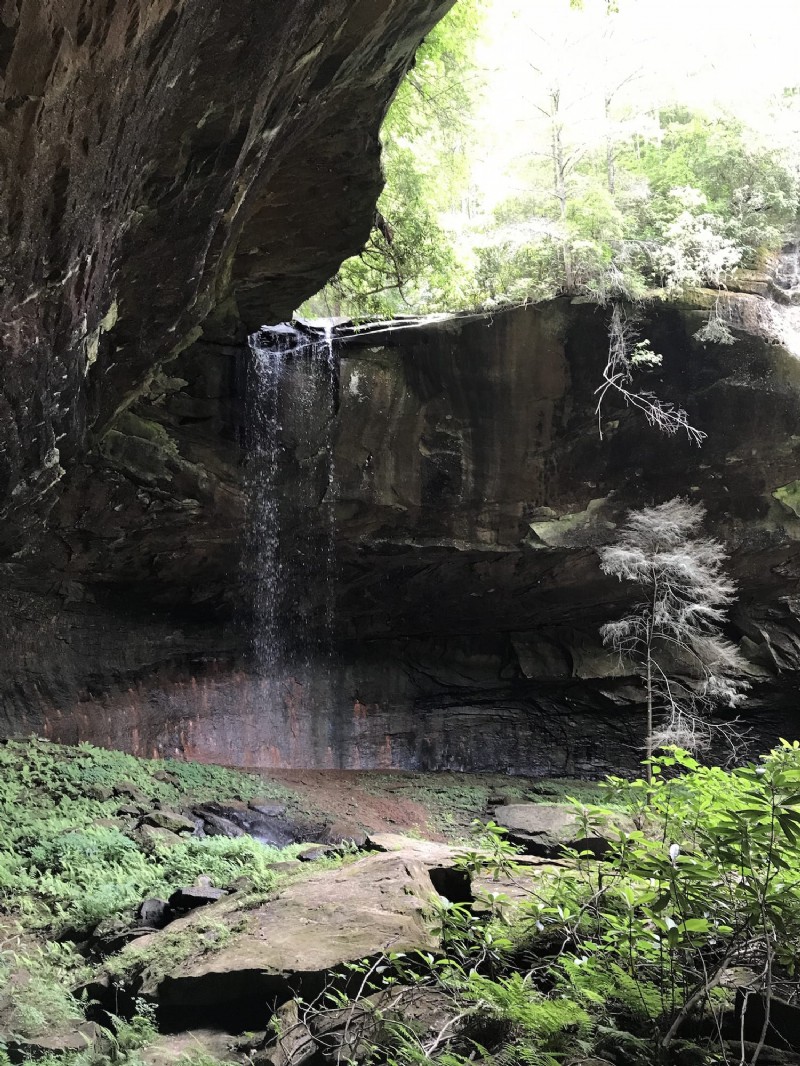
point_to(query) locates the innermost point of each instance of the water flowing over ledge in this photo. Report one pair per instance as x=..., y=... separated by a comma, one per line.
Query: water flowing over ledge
x=291, y=409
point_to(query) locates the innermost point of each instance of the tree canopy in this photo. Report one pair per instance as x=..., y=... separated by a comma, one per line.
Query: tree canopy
x=574, y=169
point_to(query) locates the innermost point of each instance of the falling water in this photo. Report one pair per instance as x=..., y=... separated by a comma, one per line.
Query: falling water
x=785, y=312
x=289, y=556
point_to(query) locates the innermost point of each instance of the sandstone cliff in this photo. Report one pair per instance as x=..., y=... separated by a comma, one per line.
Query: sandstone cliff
x=472, y=487
x=176, y=175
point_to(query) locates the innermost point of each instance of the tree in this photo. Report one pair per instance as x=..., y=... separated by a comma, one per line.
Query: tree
x=409, y=263
x=673, y=634
x=535, y=153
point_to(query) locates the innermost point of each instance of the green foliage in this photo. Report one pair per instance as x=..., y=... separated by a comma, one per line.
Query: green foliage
x=710, y=879
x=223, y=860
x=545, y=1024
x=58, y=866
x=410, y=262
x=453, y=801
x=68, y=861
x=137, y=1033
x=614, y=959
x=672, y=199
x=691, y=203
x=415, y=266
x=618, y=959
x=491, y=852
x=36, y=984
x=749, y=191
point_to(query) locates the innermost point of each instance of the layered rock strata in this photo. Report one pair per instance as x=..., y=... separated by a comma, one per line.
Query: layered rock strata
x=174, y=176
x=473, y=487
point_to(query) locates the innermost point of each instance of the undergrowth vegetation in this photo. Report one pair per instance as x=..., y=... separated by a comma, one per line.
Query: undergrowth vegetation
x=68, y=861
x=670, y=948
x=71, y=861
x=453, y=800
x=641, y=957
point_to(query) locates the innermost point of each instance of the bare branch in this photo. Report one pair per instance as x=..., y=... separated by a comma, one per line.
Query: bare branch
x=618, y=376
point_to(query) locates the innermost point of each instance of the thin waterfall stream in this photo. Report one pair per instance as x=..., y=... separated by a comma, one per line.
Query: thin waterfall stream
x=289, y=557
x=785, y=311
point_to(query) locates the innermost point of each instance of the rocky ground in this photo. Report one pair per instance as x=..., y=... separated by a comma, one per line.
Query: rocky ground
x=167, y=911
x=157, y=912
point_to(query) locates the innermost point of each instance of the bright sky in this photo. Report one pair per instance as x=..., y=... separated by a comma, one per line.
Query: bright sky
x=731, y=49
x=734, y=54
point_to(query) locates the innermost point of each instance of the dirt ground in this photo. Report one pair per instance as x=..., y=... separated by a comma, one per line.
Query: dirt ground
x=438, y=806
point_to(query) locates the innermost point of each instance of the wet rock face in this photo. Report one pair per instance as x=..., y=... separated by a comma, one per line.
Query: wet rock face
x=160, y=156
x=473, y=489
x=175, y=175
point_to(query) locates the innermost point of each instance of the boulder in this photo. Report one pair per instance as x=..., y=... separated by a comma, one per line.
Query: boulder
x=154, y=913
x=315, y=852
x=129, y=791
x=344, y=832
x=163, y=818
x=167, y=776
x=285, y=946
x=110, y=823
x=546, y=829
x=149, y=835
x=286, y=867
x=194, y=896
x=429, y=852
x=267, y=808
x=349, y=1034
x=783, y=1030
x=264, y=822
x=215, y=825
x=294, y=1043
x=59, y=1042
x=768, y=1056
x=99, y=792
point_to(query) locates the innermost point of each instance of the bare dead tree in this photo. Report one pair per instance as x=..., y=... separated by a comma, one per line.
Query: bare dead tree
x=625, y=354
x=673, y=633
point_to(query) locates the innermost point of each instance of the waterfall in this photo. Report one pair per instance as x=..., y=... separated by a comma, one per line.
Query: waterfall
x=785, y=306
x=289, y=557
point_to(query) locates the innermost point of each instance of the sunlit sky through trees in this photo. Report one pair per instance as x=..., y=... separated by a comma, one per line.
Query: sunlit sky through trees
x=730, y=55
x=540, y=148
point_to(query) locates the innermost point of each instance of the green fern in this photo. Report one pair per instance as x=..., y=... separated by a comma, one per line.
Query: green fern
x=541, y=1019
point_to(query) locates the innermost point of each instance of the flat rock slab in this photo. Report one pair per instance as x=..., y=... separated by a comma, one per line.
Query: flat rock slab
x=286, y=945
x=546, y=829
x=517, y=885
x=428, y=852
x=60, y=1041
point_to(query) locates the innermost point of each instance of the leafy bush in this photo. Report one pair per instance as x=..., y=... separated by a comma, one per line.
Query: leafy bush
x=674, y=199
x=620, y=958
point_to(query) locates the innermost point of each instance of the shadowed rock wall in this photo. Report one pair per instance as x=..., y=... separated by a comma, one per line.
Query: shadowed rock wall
x=175, y=174
x=159, y=157
x=473, y=489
